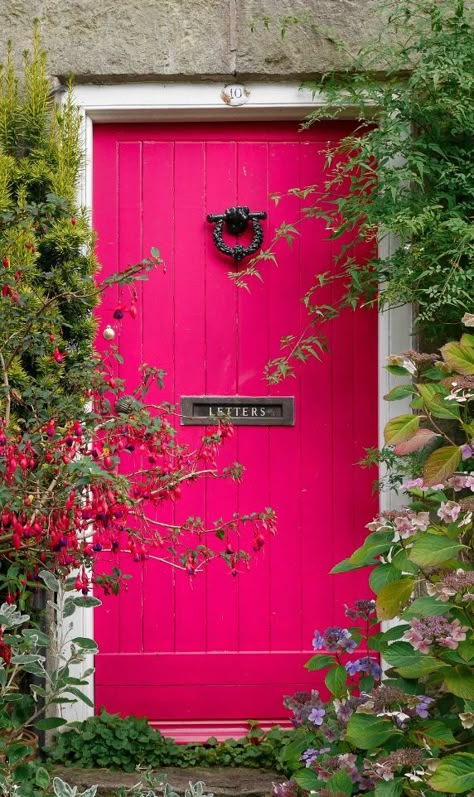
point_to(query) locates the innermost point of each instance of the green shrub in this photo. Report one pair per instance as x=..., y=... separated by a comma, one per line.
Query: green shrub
x=110, y=741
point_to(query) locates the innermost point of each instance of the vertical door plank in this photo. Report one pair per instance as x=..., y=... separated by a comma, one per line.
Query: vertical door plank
x=189, y=367
x=317, y=486
x=253, y=332
x=284, y=288
x=221, y=379
x=157, y=321
x=129, y=341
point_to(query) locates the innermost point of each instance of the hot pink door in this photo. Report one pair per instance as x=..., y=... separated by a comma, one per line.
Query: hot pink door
x=204, y=656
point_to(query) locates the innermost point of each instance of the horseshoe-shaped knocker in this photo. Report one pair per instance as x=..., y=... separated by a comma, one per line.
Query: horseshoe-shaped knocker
x=236, y=220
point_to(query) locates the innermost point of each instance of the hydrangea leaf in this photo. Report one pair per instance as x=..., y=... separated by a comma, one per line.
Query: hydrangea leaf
x=434, y=399
x=409, y=662
x=377, y=543
x=433, y=549
x=420, y=439
x=466, y=649
x=307, y=780
x=441, y=464
x=399, y=392
x=426, y=606
x=401, y=428
x=336, y=681
x=393, y=597
x=338, y=784
x=454, y=774
x=319, y=662
x=460, y=681
x=368, y=732
x=459, y=357
x=435, y=733
x=388, y=788
x=382, y=575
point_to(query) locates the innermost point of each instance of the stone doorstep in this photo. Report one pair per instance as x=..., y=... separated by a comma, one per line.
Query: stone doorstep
x=220, y=781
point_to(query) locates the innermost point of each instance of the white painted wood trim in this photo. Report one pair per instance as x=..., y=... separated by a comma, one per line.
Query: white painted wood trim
x=173, y=102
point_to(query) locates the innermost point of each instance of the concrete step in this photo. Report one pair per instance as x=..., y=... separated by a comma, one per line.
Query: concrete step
x=220, y=781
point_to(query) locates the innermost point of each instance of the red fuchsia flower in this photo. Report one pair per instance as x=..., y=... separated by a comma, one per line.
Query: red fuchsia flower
x=435, y=630
x=449, y=511
x=59, y=356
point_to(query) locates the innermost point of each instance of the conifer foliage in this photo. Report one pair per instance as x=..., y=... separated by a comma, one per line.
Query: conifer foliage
x=84, y=467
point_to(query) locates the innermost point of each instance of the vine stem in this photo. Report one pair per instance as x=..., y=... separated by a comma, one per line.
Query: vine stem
x=6, y=385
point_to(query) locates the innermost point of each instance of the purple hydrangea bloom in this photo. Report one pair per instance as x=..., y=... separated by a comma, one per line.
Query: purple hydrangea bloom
x=367, y=665
x=317, y=715
x=333, y=639
x=373, y=668
x=309, y=756
x=318, y=641
x=423, y=706
x=353, y=667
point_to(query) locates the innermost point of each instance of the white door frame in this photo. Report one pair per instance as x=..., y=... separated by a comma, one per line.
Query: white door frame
x=206, y=101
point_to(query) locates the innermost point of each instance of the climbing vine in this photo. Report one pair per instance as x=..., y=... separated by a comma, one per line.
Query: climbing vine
x=405, y=176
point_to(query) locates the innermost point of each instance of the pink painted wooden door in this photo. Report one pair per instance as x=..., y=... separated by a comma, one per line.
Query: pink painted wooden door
x=203, y=656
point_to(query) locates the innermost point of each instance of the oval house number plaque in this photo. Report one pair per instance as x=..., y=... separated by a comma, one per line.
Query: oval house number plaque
x=240, y=410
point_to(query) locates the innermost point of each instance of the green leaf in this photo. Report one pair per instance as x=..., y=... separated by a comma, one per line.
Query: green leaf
x=466, y=649
x=84, y=643
x=393, y=597
x=433, y=549
x=399, y=392
x=435, y=733
x=86, y=602
x=460, y=681
x=409, y=662
x=375, y=544
x=388, y=788
x=459, y=357
x=454, y=774
x=402, y=563
x=401, y=428
x=382, y=575
x=397, y=370
x=69, y=609
x=80, y=696
x=441, y=464
x=16, y=752
x=367, y=732
x=319, y=662
x=434, y=399
x=336, y=681
x=345, y=567
x=49, y=723
x=42, y=778
x=307, y=780
x=49, y=579
x=366, y=683
x=426, y=606
x=340, y=783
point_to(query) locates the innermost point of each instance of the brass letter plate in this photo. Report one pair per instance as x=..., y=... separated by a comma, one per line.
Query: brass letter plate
x=240, y=410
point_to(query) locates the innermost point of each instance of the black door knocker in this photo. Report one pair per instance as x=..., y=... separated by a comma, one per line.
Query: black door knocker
x=236, y=220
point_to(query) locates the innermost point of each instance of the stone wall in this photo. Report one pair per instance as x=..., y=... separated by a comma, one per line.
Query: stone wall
x=116, y=40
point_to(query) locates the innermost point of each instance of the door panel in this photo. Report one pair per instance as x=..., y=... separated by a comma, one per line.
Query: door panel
x=216, y=651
